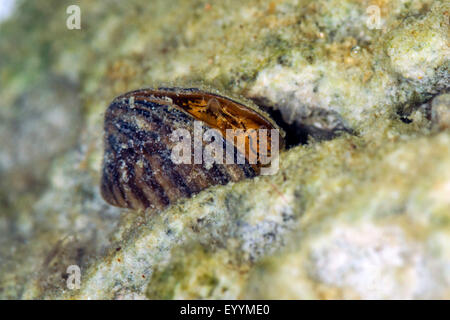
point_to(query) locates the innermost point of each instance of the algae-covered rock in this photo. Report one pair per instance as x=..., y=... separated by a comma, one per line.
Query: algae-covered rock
x=440, y=111
x=381, y=243
x=196, y=273
x=418, y=49
x=358, y=209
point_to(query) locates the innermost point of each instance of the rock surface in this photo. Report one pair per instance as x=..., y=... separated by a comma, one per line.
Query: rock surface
x=359, y=209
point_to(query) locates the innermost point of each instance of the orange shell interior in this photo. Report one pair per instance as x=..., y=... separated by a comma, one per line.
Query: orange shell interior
x=219, y=113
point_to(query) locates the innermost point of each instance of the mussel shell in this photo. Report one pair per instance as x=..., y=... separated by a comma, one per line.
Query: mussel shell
x=138, y=171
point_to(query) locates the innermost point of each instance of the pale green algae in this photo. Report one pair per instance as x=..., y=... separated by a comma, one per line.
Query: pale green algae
x=366, y=241
x=359, y=216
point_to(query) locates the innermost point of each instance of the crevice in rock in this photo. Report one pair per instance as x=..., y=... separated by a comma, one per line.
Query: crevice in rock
x=300, y=130
x=404, y=112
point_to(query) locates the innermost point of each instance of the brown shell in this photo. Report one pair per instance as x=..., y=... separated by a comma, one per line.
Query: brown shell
x=138, y=172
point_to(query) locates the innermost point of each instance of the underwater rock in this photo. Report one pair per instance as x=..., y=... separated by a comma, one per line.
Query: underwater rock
x=440, y=111
x=359, y=209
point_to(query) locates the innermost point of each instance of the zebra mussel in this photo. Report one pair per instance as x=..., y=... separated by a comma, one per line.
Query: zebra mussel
x=142, y=142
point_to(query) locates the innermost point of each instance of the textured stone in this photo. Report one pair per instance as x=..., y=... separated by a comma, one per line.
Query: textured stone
x=360, y=210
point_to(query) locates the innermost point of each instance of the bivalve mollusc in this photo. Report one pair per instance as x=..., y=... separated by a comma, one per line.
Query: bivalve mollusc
x=170, y=143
